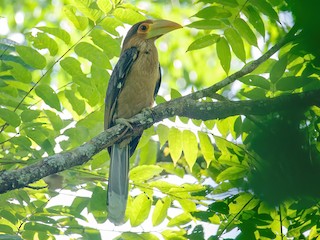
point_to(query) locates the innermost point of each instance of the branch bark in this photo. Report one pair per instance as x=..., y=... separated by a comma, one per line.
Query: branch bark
x=183, y=106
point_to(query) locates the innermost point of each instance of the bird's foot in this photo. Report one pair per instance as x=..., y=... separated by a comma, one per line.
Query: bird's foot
x=124, y=121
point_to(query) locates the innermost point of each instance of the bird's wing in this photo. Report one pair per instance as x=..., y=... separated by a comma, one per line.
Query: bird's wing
x=157, y=84
x=116, y=83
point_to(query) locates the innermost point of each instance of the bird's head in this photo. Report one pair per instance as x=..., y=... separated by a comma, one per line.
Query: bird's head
x=149, y=30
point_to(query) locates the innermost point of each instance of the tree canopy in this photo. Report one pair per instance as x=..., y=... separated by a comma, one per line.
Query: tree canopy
x=230, y=151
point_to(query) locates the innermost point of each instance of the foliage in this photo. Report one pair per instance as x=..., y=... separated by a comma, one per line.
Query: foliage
x=255, y=174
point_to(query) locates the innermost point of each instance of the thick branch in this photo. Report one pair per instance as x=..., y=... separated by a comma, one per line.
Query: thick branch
x=183, y=106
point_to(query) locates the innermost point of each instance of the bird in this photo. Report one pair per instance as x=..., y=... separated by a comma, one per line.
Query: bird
x=132, y=87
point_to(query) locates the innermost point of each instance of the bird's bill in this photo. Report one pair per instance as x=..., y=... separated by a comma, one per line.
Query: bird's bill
x=161, y=27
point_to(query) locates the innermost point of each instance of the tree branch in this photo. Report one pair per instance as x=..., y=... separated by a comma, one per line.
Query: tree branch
x=183, y=106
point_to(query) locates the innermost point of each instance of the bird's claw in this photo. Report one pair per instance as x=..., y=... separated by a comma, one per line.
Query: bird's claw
x=124, y=121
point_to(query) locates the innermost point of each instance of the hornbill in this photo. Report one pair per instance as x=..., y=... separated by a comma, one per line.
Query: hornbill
x=133, y=85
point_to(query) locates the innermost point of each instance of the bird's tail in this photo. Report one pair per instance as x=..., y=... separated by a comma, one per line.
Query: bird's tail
x=118, y=184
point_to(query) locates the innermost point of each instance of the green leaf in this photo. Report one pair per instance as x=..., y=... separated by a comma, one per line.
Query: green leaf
x=48, y=95
x=174, y=234
x=39, y=227
x=236, y=43
x=110, y=24
x=87, y=9
x=144, y=173
x=243, y=202
x=160, y=210
x=224, y=54
x=175, y=144
x=109, y=45
x=190, y=147
x=31, y=57
x=203, y=42
x=79, y=22
x=163, y=134
x=179, y=220
x=245, y=31
x=206, y=148
x=10, y=117
x=77, y=105
x=140, y=212
x=55, y=120
x=4, y=228
x=97, y=204
x=29, y=115
x=20, y=73
x=254, y=19
x=220, y=207
x=22, y=142
x=207, y=24
x=128, y=15
x=72, y=66
x=229, y=3
x=256, y=80
x=291, y=83
x=213, y=12
x=93, y=54
x=278, y=69
x=57, y=32
x=105, y=5
x=43, y=41
x=232, y=173
x=265, y=8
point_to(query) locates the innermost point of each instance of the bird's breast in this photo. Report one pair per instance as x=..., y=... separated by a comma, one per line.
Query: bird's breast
x=139, y=86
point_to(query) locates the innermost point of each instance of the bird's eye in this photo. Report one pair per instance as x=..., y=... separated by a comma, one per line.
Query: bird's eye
x=143, y=28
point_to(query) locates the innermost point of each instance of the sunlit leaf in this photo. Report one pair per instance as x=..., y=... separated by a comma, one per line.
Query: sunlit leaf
x=57, y=32
x=140, y=212
x=48, y=95
x=163, y=133
x=255, y=19
x=160, y=210
x=232, y=173
x=245, y=31
x=236, y=43
x=29, y=115
x=203, y=42
x=93, y=54
x=175, y=144
x=71, y=66
x=110, y=46
x=86, y=8
x=54, y=119
x=190, y=147
x=144, y=173
x=224, y=54
x=128, y=15
x=265, y=8
x=77, y=104
x=179, y=220
x=43, y=41
x=20, y=73
x=10, y=117
x=243, y=202
x=79, y=22
x=105, y=5
x=206, y=147
x=207, y=24
x=213, y=12
x=110, y=24
x=31, y=57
